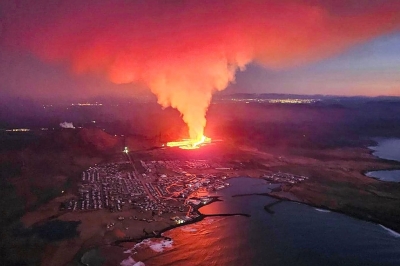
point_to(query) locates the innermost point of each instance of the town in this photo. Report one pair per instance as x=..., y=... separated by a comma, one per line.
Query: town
x=156, y=186
x=159, y=187
x=284, y=178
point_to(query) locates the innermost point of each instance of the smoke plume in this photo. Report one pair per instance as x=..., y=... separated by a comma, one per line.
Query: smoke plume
x=67, y=125
x=184, y=51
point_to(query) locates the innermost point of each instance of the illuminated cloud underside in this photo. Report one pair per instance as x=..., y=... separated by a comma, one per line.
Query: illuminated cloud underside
x=183, y=51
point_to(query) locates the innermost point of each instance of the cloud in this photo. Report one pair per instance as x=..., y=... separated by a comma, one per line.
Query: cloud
x=184, y=51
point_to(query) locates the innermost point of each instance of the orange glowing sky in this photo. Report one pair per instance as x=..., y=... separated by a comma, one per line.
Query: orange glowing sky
x=155, y=43
x=184, y=51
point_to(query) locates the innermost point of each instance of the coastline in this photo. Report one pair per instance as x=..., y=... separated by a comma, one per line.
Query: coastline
x=387, y=160
x=376, y=143
x=159, y=234
x=383, y=171
x=371, y=151
x=388, y=224
x=281, y=193
x=353, y=215
x=200, y=217
x=281, y=198
x=339, y=169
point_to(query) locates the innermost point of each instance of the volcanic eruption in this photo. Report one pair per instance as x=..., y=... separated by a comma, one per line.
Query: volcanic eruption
x=189, y=144
x=184, y=51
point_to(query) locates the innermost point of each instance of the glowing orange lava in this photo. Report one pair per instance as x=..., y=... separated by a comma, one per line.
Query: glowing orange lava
x=190, y=144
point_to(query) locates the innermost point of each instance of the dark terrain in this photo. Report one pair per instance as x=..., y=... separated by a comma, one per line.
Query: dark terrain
x=38, y=165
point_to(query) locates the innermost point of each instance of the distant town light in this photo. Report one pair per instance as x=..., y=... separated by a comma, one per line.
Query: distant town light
x=87, y=104
x=126, y=150
x=281, y=101
x=18, y=129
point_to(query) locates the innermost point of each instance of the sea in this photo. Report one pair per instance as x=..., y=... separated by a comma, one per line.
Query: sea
x=289, y=233
x=388, y=149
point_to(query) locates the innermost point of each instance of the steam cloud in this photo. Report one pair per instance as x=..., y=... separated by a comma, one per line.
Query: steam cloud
x=183, y=51
x=67, y=125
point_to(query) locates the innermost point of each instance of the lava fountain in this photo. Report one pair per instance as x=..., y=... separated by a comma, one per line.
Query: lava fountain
x=190, y=144
x=184, y=51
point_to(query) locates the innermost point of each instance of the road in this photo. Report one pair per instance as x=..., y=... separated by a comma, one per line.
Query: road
x=140, y=177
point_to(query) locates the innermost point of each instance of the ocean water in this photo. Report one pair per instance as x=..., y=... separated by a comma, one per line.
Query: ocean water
x=387, y=149
x=289, y=234
x=386, y=175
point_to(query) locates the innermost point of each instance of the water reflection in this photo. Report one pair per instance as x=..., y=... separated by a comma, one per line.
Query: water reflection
x=387, y=149
x=294, y=234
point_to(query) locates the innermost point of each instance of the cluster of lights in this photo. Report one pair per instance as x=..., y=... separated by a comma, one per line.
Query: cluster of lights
x=285, y=101
x=292, y=101
x=18, y=130
x=87, y=104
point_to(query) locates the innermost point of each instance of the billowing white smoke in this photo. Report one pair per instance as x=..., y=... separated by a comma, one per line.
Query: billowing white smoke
x=67, y=125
